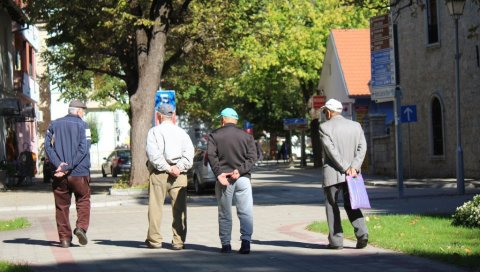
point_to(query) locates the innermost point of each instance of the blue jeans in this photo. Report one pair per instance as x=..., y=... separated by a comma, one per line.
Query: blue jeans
x=239, y=191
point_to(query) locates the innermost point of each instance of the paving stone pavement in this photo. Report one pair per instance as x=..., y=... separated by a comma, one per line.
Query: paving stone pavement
x=286, y=201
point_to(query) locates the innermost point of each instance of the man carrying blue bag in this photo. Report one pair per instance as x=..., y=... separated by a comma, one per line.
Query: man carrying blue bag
x=344, y=148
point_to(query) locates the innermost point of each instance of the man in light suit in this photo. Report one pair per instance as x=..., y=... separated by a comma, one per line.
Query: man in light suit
x=344, y=148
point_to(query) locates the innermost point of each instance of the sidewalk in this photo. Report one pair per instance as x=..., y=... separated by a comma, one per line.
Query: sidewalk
x=286, y=201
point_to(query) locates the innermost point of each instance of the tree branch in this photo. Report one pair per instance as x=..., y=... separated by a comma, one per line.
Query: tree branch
x=100, y=71
x=178, y=55
x=178, y=17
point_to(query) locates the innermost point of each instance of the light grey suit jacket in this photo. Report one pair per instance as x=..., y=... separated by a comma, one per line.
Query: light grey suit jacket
x=344, y=146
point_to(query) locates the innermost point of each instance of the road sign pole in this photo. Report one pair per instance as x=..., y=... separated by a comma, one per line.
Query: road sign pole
x=398, y=142
x=398, y=111
x=409, y=153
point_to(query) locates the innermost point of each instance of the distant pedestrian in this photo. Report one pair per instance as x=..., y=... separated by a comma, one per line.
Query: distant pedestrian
x=67, y=145
x=232, y=154
x=345, y=147
x=258, y=144
x=170, y=155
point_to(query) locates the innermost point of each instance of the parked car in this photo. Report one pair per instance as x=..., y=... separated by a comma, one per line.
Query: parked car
x=118, y=162
x=201, y=174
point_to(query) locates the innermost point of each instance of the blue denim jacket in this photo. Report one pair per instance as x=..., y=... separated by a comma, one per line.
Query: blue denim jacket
x=68, y=140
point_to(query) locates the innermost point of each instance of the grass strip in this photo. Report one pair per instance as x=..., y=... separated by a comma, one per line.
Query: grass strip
x=17, y=223
x=430, y=236
x=6, y=225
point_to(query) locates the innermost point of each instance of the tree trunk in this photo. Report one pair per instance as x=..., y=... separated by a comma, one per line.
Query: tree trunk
x=142, y=103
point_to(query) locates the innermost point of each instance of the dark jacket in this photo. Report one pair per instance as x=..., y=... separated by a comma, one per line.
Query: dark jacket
x=231, y=148
x=66, y=141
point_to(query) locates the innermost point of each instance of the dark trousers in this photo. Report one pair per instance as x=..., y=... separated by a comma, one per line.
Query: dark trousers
x=335, y=236
x=62, y=192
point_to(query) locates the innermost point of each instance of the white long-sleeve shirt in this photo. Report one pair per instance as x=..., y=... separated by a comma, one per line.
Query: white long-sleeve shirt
x=168, y=145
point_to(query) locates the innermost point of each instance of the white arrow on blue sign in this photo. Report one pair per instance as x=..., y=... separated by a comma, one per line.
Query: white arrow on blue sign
x=409, y=114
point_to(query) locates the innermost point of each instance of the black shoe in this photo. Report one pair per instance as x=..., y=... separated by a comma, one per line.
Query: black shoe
x=245, y=248
x=65, y=243
x=81, y=235
x=226, y=249
x=362, y=243
x=329, y=246
x=149, y=245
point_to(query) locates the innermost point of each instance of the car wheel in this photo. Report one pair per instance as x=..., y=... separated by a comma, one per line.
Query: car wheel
x=103, y=173
x=197, y=186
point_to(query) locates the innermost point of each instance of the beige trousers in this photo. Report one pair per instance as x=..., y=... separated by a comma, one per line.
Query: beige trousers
x=160, y=185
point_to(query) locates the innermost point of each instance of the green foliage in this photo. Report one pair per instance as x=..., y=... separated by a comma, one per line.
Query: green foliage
x=17, y=223
x=468, y=215
x=261, y=57
x=93, y=125
x=421, y=235
x=14, y=267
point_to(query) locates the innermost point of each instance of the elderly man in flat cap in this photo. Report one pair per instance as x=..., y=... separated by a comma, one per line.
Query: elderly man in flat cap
x=344, y=146
x=67, y=145
x=170, y=155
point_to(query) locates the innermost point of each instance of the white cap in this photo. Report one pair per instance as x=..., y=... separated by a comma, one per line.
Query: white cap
x=333, y=105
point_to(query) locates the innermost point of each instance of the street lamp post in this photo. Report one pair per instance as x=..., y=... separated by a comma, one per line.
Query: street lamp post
x=455, y=8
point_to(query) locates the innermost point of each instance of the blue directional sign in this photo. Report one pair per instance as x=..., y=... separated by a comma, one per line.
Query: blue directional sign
x=294, y=123
x=409, y=114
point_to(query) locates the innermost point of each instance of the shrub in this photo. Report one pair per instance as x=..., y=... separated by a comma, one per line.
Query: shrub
x=468, y=215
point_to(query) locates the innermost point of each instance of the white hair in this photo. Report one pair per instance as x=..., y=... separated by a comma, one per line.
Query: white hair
x=73, y=110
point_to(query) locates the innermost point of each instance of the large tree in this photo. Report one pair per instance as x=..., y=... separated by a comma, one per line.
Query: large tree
x=113, y=40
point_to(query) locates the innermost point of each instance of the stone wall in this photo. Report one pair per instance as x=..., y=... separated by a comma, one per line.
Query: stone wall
x=428, y=71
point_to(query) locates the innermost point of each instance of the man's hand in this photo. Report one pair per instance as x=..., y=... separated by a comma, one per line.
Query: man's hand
x=59, y=172
x=351, y=172
x=223, y=178
x=59, y=169
x=235, y=174
x=174, y=171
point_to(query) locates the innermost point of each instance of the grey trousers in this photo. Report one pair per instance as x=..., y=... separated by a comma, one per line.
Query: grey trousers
x=239, y=191
x=335, y=236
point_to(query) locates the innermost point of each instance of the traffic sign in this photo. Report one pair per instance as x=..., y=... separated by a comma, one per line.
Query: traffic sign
x=383, y=94
x=383, y=78
x=318, y=101
x=294, y=123
x=409, y=114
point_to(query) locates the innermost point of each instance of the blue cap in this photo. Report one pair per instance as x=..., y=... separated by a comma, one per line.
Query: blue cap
x=230, y=113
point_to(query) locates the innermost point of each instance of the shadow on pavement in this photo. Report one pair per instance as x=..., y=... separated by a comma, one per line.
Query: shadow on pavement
x=265, y=260
x=28, y=241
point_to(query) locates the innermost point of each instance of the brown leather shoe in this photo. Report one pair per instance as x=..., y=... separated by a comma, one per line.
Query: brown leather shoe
x=65, y=243
x=178, y=247
x=81, y=235
x=149, y=245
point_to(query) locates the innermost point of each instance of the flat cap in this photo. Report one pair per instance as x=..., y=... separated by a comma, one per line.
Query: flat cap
x=166, y=109
x=77, y=104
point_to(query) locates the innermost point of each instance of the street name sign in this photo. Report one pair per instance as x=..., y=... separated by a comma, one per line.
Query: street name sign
x=294, y=123
x=383, y=79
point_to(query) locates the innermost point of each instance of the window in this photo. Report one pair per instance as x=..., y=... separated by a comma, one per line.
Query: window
x=432, y=22
x=437, y=127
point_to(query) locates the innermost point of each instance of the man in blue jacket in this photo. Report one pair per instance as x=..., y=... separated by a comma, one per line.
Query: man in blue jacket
x=67, y=144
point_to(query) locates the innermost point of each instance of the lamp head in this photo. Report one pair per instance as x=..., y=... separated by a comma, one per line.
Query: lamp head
x=455, y=7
